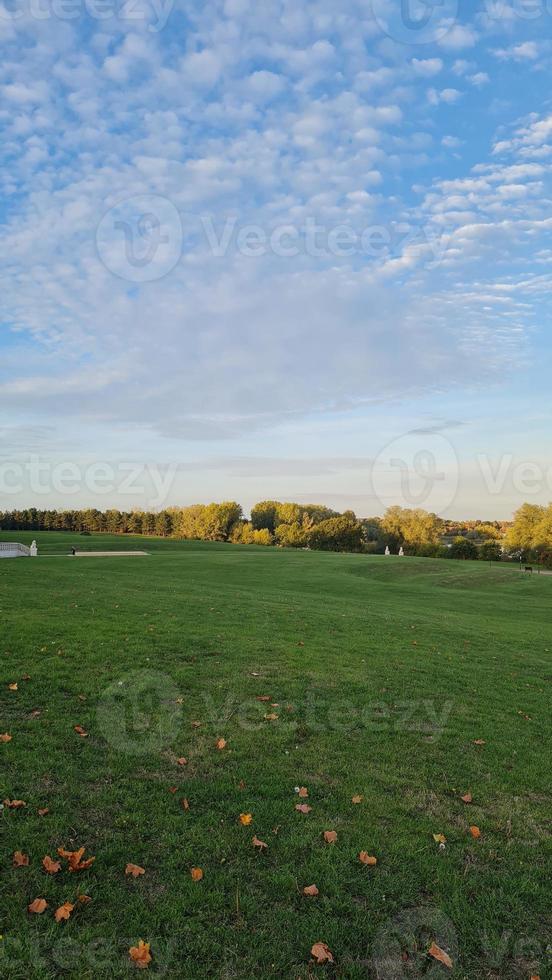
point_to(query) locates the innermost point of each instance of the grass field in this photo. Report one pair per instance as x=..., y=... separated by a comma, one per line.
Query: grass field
x=383, y=673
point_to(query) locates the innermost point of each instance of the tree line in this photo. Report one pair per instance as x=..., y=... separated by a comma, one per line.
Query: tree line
x=293, y=525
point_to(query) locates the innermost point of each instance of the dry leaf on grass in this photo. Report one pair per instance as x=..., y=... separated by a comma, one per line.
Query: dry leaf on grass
x=14, y=804
x=184, y=803
x=321, y=953
x=260, y=844
x=43, y=810
x=246, y=819
x=330, y=836
x=367, y=859
x=467, y=798
x=50, y=866
x=6, y=737
x=195, y=724
x=38, y=906
x=12, y=687
x=84, y=899
x=182, y=761
x=63, y=912
x=20, y=860
x=357, y=799
x=302, y=791
x=197, y=874
x=303, y=807
x=439, y=954
x=140, y=955
x=221, y=744
x=263, y=697
x=479, y=741
x=439, y=838
x=173, y=789
x=75, y=859
x=311, y=890
x=475, y=832
x=271, y=717
x=80, y=731
x=135, y=870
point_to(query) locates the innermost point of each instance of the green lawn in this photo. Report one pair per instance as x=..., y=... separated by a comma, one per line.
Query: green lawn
x=382, y=673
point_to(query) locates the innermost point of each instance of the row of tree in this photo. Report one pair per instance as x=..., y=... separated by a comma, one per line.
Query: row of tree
x=314, y=526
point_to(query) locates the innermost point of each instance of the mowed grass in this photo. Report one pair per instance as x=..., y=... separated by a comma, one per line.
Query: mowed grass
x=382, y=672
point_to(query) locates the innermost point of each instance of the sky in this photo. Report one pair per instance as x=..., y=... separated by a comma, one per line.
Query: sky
x=295, y=249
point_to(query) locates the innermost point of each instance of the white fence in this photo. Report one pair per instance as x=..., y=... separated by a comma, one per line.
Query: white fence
x=12, y=549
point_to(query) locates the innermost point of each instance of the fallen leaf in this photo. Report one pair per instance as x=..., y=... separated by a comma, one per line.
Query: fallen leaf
x=475, y=832
x=80, y=731
x=439, y=954
x=303, y=792
x=140, y=955
x=439, y=838
x=135, y=870
x=184, y=803
x=367, y=859
x=263, y=697
x=197, y=874
x=195, y=724
x=20, y=860
x=303, y=807
x=220, y=744
x=52, y=867
x=330, y=836
x=271, y=717
x=75, y=859
x=26, y=677
x=173, y=789
x=534, y=976
x=38, y=906
x=12, y=687
x=246, y=819
x=479, y=741
x=43, y=811
x=182, y=761
x=321, y=954
x=84, y=899
x=357, y=799
x=14, y=804
x=5, y=737
x=63, y=912
x=311, y=890
x=467, y=798
x=36, y=713
x=260, y=844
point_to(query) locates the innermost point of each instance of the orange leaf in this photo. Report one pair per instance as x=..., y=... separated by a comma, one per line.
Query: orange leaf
x=357, y=799
x=14, y=804
x=439, y=954
x=197, y=874
x=52, y=867
x=303, y=807
x=12, y=687
x=260, y=844
x=303, y=792
x=366, y=858
x=140, y=955
x=467, y=798
x=63, y=912
x=43, y=811
x=38, y=906
x=184, y=803
x=263, y=697
x=311, y=890
x=534, y=976
x=80, y=731
x=84, y=899
x=439, y=838
x=330, y=836
x=321, y=954
x=173, y=789
x=220, y=744
x=5, y=737
x=74, y=859
x=271, y=717
x=246, y=819
x=475, y=832
x=135, y=870
x=20, y=860
x=182, y=761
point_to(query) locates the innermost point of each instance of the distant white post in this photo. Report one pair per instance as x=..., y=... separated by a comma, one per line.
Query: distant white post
x=33, y=550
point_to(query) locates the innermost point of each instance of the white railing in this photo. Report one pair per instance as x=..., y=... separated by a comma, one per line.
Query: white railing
x=12, y=549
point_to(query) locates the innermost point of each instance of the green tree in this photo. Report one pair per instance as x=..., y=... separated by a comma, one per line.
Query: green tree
x=463, y=549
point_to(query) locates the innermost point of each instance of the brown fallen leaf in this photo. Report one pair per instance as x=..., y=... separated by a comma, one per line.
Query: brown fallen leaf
x=367, y=859
x=220, y=744
x=14, y=804
x=12, y=687
x=475, y=832
x=479, y=741
x=260, y=844
x=173, y=789
x=263, y=697
x=43, y=810
x=182, y=761
x=6, y=737
x=330, y=836
x=271, y=717
x=20, y=860
x=321, y=953
x=303, y=792
x=184, y=803
x=135, y=870
x=246, y=819
x=439, y=954
x=26, y=677
x=50, y=866
x=357, y=799
x=439, y=838
x=140, y=955
x=38, y=906
x=197, y=874
x=84, y=899
x=75, y=859
x=303, y=807
x=467, y=798
x=63, y=912
x=80, y=731
x=311, y=890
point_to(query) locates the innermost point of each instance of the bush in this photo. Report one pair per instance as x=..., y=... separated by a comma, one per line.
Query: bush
x=490, y=551
x=463, y=549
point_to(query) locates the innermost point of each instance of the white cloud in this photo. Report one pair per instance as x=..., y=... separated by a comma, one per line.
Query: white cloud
x=428, y=67
x=460, y=36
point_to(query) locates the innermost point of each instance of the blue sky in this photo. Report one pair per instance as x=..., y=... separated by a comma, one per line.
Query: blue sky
x=276, y=248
